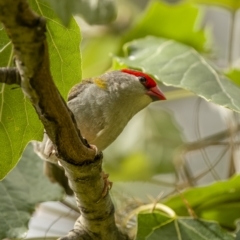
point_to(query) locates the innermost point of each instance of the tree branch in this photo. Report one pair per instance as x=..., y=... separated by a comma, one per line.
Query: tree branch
x=10, y=76
x=27, y=33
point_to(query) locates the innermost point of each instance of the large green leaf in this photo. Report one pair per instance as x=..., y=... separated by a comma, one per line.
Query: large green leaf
x=145, y=148
x=219, y=201
x=20, y=191
x=93, y=11
x=64, y=48
x=18, y=121
x=189, y=229
x=178, y=65
x=178, y=21
x=146, y=222
x=156, y=225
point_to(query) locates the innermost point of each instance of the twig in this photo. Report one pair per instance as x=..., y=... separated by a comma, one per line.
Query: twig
x=211, y=140
x=203, y=150
x=10, y=76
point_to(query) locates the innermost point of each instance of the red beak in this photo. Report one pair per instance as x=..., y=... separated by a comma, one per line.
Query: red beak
x=156, y=94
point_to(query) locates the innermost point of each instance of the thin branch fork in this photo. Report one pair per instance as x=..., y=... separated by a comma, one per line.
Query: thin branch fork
x=215, y=139
x=27, y=33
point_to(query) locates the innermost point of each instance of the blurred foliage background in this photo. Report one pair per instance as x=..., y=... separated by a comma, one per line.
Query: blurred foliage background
x=155, y=140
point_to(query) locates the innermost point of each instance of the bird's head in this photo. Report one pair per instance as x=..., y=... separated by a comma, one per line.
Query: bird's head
x=148, y=83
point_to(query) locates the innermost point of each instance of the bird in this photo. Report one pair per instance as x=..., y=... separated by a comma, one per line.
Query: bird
x=102, y=107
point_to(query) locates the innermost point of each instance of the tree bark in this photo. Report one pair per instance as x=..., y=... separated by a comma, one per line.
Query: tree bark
x=82, y=165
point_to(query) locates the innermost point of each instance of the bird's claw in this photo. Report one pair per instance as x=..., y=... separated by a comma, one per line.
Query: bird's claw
x=94, y=147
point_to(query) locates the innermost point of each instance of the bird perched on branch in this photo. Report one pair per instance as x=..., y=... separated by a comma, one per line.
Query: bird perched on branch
x=102, y=107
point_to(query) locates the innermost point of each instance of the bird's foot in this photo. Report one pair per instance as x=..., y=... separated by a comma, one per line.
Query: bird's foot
x=45, y=149
x=93, y=147
x=107, y=184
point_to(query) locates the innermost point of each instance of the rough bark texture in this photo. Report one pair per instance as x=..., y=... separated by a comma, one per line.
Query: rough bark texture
x=27, y=33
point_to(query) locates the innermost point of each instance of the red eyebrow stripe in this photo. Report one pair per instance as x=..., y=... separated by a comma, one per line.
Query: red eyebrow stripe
x=150, y=82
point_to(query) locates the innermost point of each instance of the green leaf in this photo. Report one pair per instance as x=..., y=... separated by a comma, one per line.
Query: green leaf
x=18, y=120
x=176, y=21
x=226, y=214
x=20, y=191
x=154, y=139
x=231, y=4
x=146, y=222
x=178, y=65
x=189, y=229
x=93, y=11
x=64, y=48
x=218, y=201
x=19, y=123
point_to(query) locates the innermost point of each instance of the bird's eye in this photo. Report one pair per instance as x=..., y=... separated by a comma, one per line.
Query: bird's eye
x=142, y=79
